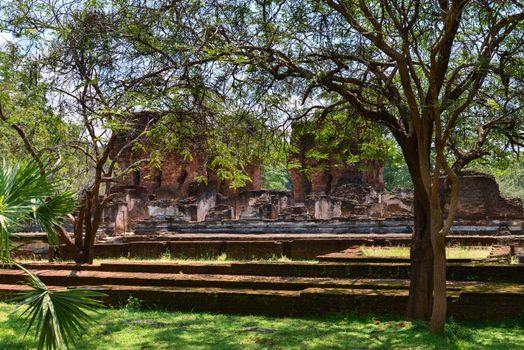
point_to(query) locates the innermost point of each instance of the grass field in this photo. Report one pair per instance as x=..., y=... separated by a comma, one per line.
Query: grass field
x=472, y=252
x=168, y=258
x=132, y=329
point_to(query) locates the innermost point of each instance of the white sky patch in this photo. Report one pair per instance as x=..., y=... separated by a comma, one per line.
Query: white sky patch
x=5, y=37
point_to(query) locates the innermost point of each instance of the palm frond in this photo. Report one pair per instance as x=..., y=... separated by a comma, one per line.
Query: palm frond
x=58, y=316
x=52, y=212
x=27, y=194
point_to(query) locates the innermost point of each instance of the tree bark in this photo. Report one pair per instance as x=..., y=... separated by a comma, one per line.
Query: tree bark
x=79, y=224
x=68, y=242
x=439, y=310
x=416, y=155
x=87, y=248
x=421, y=260
x=439, y=231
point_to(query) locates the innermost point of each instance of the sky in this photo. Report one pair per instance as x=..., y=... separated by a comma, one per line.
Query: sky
x=5, y=37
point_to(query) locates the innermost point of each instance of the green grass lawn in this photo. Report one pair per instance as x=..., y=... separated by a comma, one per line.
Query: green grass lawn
x=169, y=258
x=129, y=330
x=470, y=252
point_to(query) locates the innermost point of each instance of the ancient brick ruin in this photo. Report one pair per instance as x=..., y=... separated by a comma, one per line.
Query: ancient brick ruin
x=174, y=194
x=328, y=190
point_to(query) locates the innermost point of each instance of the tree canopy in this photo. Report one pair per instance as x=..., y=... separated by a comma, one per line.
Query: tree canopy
x=441, y=78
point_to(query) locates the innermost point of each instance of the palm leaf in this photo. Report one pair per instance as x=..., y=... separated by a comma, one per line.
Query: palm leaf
x=52, y=212
x=58, y=316
x=27, y=194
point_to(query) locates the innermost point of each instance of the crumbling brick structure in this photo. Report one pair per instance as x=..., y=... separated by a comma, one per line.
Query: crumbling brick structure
x=480, y=198
x=322, y=190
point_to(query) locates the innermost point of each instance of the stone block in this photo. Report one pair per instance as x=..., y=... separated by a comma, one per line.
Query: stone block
x=65, y=253
x=311, y=248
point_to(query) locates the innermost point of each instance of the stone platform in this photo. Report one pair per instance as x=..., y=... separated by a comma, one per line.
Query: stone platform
x=266, y=239
x=197, y=246
x=283, y=289
x=324, y=227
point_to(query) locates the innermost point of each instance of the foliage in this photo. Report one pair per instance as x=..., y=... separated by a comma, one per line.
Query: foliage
x=337, y=139
x=122, y=329
x=341, y=138
x=276, y=178
x=396, y=174
x=59, y=317
x=106, y=65
x=134, y=304
x=27, y=113
x=27, y=195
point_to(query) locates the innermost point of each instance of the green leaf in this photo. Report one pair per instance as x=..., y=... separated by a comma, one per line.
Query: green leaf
x=59, y=317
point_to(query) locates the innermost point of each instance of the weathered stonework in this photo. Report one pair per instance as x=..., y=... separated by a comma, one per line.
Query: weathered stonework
x=479, y=198
x=332, y=190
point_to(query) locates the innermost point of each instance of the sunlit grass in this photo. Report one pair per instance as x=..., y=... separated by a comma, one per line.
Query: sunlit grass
x=128, y=329
x=471, y=252
x=221, y=259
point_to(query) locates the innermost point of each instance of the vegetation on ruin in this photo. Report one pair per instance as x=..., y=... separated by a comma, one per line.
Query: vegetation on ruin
x=509, y=175
x=129, y=328
x=221, y=259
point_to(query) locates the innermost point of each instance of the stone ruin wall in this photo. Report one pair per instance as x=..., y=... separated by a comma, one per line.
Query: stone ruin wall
x=329, y=194
x=174, y=191
x=332, y=191
x=480, y=198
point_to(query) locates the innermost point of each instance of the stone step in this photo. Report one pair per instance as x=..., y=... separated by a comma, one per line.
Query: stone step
x=362, y=227
x=74, y=278
x=251, y=249
x=344, y=257
x=312, y=301
x=393, y=239
x=70, y=278
x=467, y=272
x=473, y=303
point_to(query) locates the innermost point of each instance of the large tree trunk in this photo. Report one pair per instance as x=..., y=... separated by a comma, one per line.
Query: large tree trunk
x=86, y=226
x=421, y=259
x=421, y=253
x=438, y=242
x=439, y=310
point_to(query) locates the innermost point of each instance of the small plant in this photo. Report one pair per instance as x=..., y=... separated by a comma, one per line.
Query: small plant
x=166, y=255
x=134, y=304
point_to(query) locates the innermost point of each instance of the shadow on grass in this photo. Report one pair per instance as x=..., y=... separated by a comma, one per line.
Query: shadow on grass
x=152, y=330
